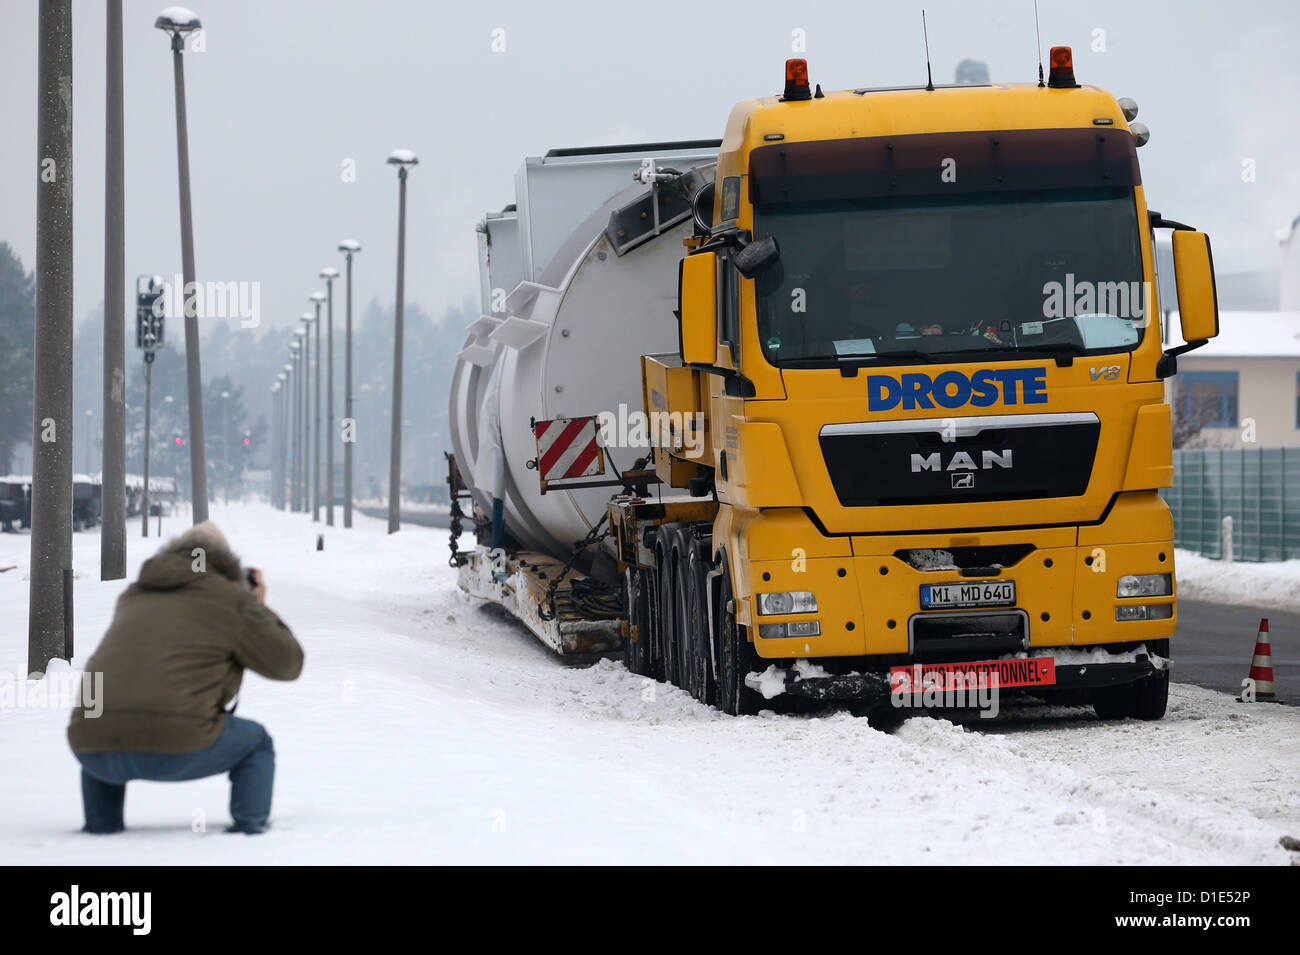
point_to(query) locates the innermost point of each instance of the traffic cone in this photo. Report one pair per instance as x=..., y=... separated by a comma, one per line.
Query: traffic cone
x=1261, y=665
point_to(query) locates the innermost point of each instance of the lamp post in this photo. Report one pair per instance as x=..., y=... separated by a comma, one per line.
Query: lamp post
x=403, y=159
x=180, y=22
x=225, y=446
x=316, y=298
x=329, y=274
x=286, y=402
x=274, y=458
x=349, y=248
x=90, y=415
x=49, y=623
x=283, y=450
x=112, y=541
x=299, y=473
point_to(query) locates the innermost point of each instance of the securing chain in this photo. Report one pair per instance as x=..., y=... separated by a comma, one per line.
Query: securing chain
x=457, y=559
x=546, y=609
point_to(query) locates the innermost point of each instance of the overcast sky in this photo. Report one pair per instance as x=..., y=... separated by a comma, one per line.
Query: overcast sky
x=287, y=90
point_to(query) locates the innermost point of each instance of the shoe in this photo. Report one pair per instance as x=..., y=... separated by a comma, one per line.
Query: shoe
x=249, y=830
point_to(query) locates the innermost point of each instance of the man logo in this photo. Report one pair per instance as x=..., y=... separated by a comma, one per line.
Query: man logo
x=961, y=461
x=964, y=479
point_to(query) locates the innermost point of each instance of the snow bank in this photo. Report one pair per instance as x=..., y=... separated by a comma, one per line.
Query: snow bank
x=1275, y=585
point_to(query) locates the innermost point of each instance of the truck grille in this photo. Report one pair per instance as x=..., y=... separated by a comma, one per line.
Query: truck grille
x=987, y=458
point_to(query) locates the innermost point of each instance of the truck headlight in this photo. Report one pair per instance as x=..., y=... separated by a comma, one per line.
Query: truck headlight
x=1145, y=585
x=1144, y=612
x=790, y=601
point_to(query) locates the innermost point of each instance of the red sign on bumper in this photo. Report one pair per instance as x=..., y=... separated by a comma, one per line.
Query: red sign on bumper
x=1029, y=671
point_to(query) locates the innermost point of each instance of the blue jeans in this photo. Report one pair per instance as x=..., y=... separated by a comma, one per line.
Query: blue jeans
x=243, y=749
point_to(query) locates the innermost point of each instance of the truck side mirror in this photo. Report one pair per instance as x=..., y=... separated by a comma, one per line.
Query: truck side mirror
x=697, y=305
x=1198, y=304
x=757, y=257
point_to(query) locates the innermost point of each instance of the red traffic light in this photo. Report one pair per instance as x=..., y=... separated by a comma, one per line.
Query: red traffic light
x=248, y=441
x=178, y=439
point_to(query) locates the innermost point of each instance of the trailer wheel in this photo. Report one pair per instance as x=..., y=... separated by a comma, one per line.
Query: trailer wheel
x=736, y=656
x=698, y=632
x=636, y=653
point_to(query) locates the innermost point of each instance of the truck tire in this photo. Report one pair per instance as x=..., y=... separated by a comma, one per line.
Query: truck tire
x=636, y=653
x=656, y=637
x=682, y=623
x=668, y=609
x=1145, y=699
x=699, y=637
x=736, y=657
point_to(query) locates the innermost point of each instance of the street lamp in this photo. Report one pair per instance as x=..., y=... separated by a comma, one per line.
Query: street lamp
x=225, y=446
x=349, y=248
x=299, y=431
x=329, y=274
x=403, y=159
x=308, y=474
x=286, y=403
x=316, y=298
x=180, y=22
x=275, y=439
x=89, y=416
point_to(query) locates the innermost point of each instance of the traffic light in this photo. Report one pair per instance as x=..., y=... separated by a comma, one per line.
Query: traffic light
x=178, y=440
x=148, y=314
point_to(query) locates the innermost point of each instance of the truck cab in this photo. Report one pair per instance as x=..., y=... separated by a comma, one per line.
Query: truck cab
x=919, y=333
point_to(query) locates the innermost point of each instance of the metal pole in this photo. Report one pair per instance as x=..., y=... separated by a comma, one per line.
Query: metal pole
x=51, y=547
x=315, y=452
x=304, y=379
x=395, y=454
x=194, y=374
x=347, y=410
x=330, y=437
x=298, y=428
x=148, y=405
x=112, y=538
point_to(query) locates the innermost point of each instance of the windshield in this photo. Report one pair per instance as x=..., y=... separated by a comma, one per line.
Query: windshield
x=958, y=277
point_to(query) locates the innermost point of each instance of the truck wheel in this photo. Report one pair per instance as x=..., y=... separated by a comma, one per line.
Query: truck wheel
x=668, y=611
x=683, y=625
x=636, y=653
x=736, y=657
x=1150, y=697
x=703, y=686
x=1147, y=699
x=655, y=637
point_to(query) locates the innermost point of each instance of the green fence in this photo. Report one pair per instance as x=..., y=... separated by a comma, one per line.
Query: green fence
x=1259, y=488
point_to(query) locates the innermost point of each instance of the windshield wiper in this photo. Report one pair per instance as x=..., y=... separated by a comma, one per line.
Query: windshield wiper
x=840, y=360
x=1057, y=348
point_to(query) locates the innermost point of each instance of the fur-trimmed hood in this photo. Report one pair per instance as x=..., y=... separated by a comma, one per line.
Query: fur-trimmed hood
x=187, y=558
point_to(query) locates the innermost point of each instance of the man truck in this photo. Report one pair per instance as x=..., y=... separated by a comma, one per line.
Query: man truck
x=863, y=400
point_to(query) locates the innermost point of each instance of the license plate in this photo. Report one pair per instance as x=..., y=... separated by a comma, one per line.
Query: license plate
x=985, y=593
x=1024, y=671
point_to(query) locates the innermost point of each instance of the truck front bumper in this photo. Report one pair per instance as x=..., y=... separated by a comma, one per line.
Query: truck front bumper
x=1074, y=670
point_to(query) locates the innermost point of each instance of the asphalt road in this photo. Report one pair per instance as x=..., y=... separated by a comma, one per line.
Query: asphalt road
x=1214, y=644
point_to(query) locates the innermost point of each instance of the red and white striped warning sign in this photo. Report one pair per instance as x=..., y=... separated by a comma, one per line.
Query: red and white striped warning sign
x=567, y=448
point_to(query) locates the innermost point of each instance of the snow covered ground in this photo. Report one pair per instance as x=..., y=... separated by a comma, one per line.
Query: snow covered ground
x=427, y=728
x=1275, y=584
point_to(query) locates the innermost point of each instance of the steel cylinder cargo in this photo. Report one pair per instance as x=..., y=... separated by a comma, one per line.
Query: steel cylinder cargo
x=578, y=280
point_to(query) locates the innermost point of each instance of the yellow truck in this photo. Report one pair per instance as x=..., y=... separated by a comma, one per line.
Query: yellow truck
x=913, y=430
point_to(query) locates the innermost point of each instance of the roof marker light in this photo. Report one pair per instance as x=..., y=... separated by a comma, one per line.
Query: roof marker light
x=1062, y=74
x=796, y=80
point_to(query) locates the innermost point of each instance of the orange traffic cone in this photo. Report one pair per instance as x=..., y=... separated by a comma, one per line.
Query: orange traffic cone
x=1261, y=665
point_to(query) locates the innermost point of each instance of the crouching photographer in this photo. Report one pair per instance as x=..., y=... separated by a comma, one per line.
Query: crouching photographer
x=172, y=662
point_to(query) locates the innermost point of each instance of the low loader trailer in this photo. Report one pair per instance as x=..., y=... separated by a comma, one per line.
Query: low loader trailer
x=865, y=400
